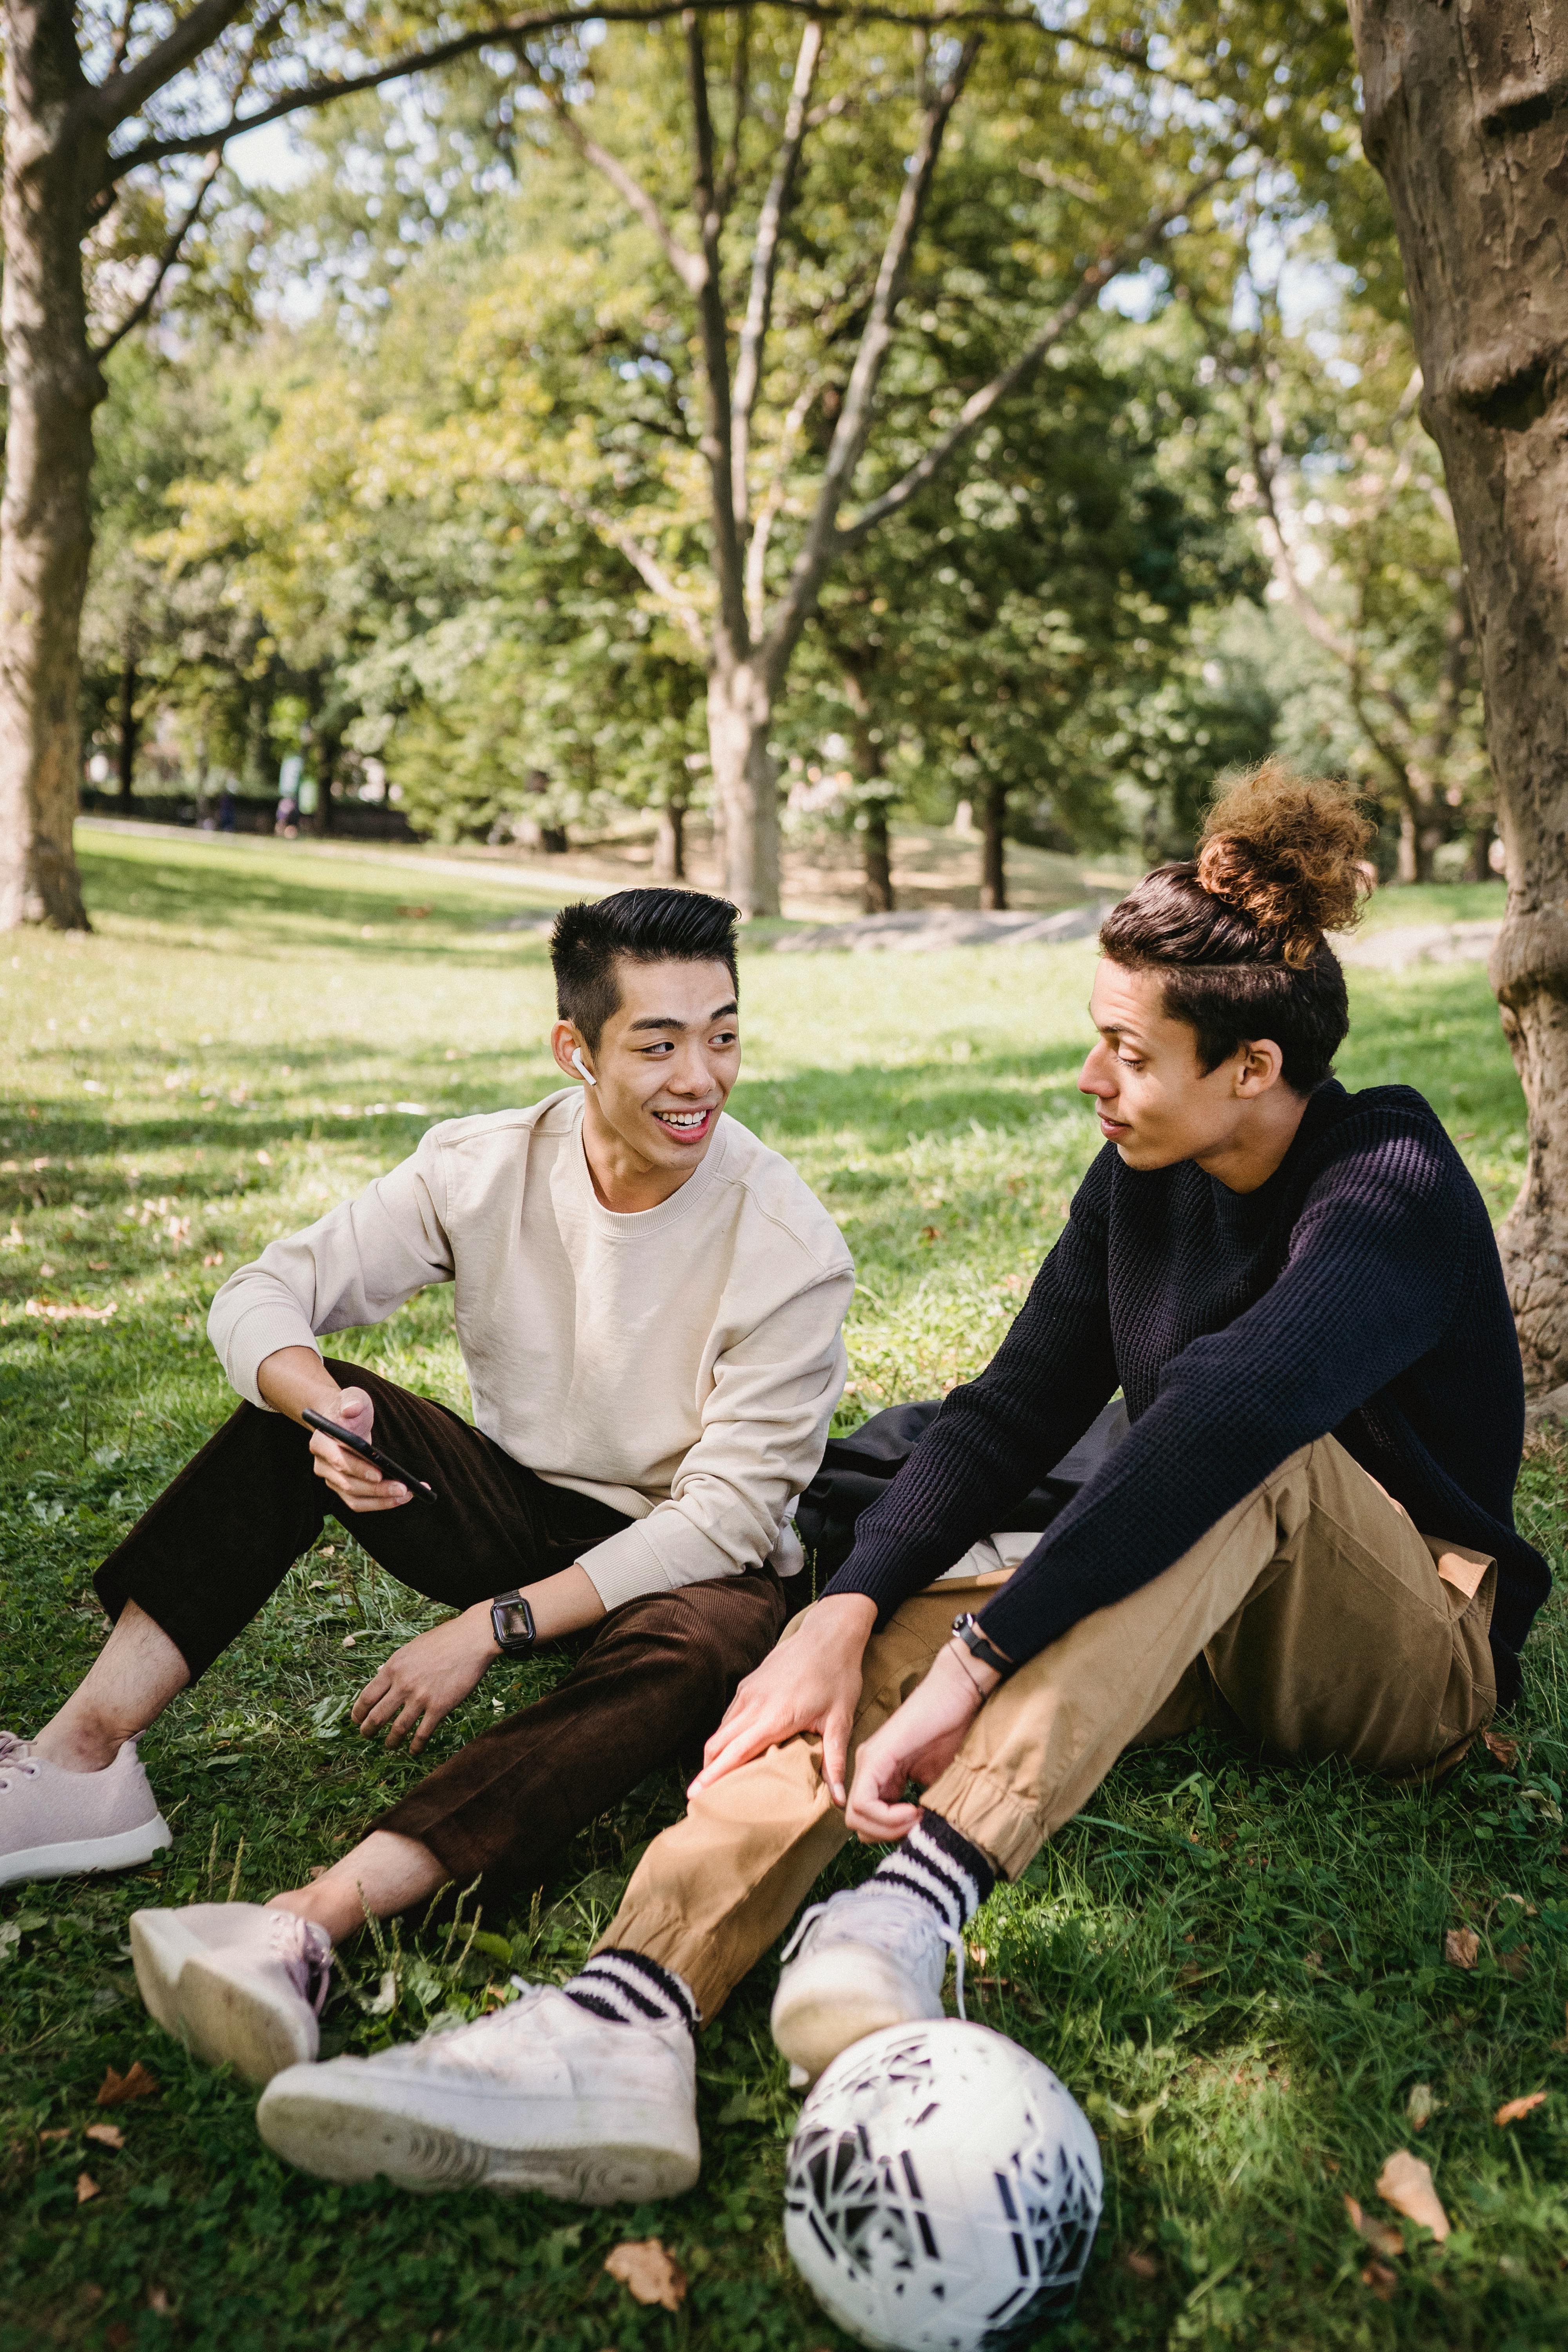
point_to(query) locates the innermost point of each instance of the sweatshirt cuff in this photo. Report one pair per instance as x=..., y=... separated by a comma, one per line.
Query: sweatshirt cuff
x=259, y=1333
x=653, y=1555
x=881, y=1584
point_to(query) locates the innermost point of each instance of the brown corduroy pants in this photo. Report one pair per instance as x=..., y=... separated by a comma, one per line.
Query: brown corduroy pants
x=1313, y=1619
x=651, y=1679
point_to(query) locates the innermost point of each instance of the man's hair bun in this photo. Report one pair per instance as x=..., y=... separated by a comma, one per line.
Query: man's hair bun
x=1287, y=851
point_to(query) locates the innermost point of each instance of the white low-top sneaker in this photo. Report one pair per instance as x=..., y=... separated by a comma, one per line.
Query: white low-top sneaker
x=239, y=1984
x=541, y=2094
x=870, y=1956
x=54, y=1823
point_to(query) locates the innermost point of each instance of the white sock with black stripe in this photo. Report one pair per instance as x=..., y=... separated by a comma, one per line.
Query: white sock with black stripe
x=628, y=1989
x=942, y=1868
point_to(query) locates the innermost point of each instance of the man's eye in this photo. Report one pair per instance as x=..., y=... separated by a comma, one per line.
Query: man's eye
x=726, y=1038
x=1129, y=1060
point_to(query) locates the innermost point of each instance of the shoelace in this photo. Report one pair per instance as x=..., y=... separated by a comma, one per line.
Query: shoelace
x=12, y=1760
x=315, y=1967
x=951, y=1937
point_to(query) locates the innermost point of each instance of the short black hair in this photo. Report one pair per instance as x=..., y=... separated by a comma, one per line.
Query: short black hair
x=646, y=926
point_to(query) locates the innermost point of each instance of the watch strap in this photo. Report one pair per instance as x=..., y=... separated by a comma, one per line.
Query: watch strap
x=966, y=1629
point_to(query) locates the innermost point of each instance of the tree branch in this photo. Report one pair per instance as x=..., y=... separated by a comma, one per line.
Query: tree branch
x=979, y=404
x=166, y=261
x=689, y=266
x=764, y=263
x=510, y=32
x=714, y=328
x=855, y=417
x=125, y=91
x=772, y=505
x=740, y=98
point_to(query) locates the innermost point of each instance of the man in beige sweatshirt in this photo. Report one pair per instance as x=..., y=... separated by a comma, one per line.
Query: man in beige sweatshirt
x=649, y=1304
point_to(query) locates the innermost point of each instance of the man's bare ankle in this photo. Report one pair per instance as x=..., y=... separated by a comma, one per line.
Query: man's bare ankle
x=77, y=1750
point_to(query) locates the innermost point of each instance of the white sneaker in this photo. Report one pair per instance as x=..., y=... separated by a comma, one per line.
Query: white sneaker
x=541, y=2094
x=54, y=1823
x=239, y=1984
x=870, y=1956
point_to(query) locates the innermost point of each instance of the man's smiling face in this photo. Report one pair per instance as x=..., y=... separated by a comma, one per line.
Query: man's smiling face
x=666, y=1060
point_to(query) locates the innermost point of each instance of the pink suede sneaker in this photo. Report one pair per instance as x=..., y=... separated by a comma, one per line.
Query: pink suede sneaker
x=54, y=1823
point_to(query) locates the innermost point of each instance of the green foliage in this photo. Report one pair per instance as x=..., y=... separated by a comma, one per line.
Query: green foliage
x=1237, y=1967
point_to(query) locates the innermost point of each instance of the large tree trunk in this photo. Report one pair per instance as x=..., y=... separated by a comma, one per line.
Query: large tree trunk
x=669, y=845
x=876, y=860
x=992, y=844
x=46, y=531
x=1466, y=119
x=745, y=782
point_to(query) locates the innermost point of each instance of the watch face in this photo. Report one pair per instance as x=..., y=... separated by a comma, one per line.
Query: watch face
x=512, y=1621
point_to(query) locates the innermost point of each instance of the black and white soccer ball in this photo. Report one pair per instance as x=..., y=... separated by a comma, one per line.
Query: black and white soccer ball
x=943, y=2191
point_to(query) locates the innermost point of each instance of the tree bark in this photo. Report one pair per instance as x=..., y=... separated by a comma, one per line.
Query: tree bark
x=670, y=846
x=745, y=781
x=51, y=161
x=876, y=862
x=1466, y=119
x=128, y=730
x=992, y=844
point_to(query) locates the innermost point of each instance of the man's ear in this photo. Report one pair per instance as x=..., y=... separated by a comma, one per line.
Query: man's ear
x=1261, y=1064
x=564, y=1041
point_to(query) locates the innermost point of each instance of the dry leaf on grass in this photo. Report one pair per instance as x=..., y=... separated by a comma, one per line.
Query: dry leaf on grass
x=1461, y=1947
x=647, y=2273
x=106, y=2135
x=158, y=2300
x=1511, y=2109
x=86, y=2187
x=1406, y=2183
x=1382, y=2236
x=1381, y=2280
x=1141, y=2264
x=1421, y=2105
x=116, y=2089
x=1505, y=1750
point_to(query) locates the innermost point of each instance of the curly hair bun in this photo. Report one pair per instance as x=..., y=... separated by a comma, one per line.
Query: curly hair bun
x=1288, y=852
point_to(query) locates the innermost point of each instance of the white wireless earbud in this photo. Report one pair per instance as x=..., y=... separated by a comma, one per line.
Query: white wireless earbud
x=581, y=1066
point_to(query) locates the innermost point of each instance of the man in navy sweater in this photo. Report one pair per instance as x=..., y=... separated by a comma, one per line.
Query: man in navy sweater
x=1306, y=1536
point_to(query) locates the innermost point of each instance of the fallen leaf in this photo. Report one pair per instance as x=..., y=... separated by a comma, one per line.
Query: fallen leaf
x=158, y=2300
x=86, y=2187
x=647, y=2273
x=1505, y=1750
x=116, y=2089
x=415, y=914
x=1141, y=2264
x=1382, y=2236
x=1517, y=1963
x=118, y=2337
x=1406, y=2183
x=1461, y=1947
x=1381, y=2280
x=106, y=2135
x=1511, y=2109
x=1421, y=2105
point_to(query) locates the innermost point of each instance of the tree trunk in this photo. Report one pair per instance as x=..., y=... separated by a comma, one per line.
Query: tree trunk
x=127, y=733
x=1419, y=846
x=877, y=865
x=1480, y=866
x=670, y=848
x=45, y=530
x=1466, y=119
x=992, y=844
x=745, y=782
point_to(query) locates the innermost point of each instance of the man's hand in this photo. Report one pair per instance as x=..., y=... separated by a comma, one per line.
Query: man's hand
x=294, y=1378
x=810, y=1683
x=916, y=1744
x=420, y=1685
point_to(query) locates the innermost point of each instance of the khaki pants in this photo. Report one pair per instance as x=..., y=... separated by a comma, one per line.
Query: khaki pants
x=1312, y=1618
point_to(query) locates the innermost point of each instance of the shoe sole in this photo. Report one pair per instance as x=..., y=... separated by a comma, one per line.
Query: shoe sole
x=76, y=1856
x=423, y=2138
x=224, y=2020
x=824, y=2005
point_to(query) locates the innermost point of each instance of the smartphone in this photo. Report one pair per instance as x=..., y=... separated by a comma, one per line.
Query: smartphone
x=369, y=1452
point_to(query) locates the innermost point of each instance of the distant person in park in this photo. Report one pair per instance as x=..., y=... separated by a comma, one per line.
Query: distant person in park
x=649, y=1304
x=1306, y=1538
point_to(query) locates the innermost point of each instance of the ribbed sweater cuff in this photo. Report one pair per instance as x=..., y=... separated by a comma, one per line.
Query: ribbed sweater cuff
x=877, y=1580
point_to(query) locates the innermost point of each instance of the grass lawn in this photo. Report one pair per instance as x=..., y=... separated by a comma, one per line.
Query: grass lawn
x=1239, y=1972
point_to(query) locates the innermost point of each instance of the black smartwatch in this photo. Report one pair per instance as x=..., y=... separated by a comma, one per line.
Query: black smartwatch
x=966, y=1629
x=511, y=1621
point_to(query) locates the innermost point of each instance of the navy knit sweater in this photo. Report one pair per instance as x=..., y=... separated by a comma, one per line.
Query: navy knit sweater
x=1358, y=1292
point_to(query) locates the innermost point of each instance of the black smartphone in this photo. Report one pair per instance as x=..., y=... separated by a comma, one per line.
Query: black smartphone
x=369, y=1452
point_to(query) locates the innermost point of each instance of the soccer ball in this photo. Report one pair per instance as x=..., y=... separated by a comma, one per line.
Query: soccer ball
x=943, y=2190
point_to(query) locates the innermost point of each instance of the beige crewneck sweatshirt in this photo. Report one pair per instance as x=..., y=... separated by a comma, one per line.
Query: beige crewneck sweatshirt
x=682, y=1363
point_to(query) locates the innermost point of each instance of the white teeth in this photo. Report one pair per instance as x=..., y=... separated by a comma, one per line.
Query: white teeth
x=682, y=1118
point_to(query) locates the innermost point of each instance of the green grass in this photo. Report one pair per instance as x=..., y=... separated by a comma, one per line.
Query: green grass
x=1237, y=1970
